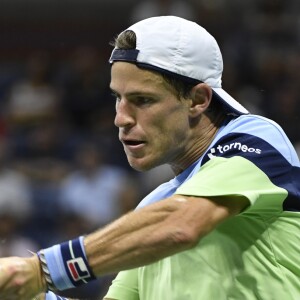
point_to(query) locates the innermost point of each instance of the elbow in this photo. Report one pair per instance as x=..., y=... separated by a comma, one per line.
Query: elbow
x=184, y=238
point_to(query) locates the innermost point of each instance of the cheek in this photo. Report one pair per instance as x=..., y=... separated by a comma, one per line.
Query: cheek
x=166, y=126
x=171, y=132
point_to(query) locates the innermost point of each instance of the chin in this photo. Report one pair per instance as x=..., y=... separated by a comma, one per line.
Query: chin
x=141, y=166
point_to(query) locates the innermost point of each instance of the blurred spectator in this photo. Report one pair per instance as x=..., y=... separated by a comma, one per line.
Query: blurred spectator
x=15, y=196
x=44, y=156
x=32, y=113
x=150, y=8
x=96, y=191
x=44, y=152
x=34, y=99
x=12, y=241
x=274, y=51
x=285, y=109
x=15, y=208
x=250, y=97
x=33, y=117
x=85, y=84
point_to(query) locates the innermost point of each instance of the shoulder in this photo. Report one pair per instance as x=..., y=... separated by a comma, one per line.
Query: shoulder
x=256, y=125
x=257, y=132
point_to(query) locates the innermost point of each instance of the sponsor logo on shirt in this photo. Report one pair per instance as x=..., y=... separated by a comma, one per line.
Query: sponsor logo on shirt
x=221, y=149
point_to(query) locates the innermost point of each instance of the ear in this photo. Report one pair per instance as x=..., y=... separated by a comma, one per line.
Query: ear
x=201, y=95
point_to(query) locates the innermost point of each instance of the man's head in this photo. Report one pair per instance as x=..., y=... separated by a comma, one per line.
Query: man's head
x=180, y=49
x=165, y=116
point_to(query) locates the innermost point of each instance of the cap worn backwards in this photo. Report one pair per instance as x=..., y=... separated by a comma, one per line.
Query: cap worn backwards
x=181, y=48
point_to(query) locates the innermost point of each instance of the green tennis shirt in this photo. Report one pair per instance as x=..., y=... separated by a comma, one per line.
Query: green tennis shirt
x=254, y=255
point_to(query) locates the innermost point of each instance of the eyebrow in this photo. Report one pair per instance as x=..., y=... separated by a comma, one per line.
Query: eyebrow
x=134, y=93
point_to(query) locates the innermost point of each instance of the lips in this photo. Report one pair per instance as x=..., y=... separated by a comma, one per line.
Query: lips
x=132, y=142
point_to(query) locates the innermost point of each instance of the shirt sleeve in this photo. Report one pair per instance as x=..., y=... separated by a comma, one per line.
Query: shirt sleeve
x=235, y=176
x=124, y=286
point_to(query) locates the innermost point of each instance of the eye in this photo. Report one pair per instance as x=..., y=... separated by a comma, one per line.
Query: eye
x=143, y=100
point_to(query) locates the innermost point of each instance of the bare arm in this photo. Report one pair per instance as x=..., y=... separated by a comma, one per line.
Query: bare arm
x=157, y=231
x=136, y=239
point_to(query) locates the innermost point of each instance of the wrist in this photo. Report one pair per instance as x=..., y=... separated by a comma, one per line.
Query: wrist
x=65, y=265
x=41, y=282
x=47, y=279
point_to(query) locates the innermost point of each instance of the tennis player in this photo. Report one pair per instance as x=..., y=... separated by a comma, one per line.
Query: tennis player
x=227, y=226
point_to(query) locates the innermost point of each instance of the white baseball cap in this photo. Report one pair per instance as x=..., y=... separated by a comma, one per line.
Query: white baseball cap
x=181, y=48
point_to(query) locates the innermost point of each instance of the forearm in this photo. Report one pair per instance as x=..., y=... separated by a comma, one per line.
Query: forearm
x=133, y=240
x=157, y=231
x=137, y=239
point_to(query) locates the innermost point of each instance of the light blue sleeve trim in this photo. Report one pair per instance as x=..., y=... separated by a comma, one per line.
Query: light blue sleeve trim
x=52, y=296
x=56, y=268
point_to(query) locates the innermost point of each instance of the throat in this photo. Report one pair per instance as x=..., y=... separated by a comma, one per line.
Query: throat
x=199, y=143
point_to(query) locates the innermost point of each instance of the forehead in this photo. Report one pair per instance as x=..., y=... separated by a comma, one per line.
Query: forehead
x=128, y=75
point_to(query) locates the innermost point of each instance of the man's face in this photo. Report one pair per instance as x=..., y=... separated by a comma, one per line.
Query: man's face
x=153, y=123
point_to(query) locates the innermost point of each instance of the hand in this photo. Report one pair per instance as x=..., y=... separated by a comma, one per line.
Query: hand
x=21, y=278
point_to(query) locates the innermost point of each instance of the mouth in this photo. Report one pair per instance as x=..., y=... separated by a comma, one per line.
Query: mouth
x=132, y=142
x=133, y=145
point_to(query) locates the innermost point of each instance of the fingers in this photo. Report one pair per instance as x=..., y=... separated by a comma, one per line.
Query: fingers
x=8, y=280
x=9, y=269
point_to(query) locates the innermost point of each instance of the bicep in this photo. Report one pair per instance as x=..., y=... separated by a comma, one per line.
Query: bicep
x=197, y=216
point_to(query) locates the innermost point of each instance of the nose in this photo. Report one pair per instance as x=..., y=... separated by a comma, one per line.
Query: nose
x=124, y=114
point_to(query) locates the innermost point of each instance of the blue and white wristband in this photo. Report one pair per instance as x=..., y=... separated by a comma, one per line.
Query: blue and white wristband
x=65, y=265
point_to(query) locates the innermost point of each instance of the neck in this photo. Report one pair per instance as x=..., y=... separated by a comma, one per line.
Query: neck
x=201, y=138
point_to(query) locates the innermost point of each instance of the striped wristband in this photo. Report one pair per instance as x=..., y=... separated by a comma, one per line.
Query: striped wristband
x=65, y=265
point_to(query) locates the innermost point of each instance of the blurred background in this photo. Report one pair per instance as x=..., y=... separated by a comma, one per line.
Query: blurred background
x=63, y=172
